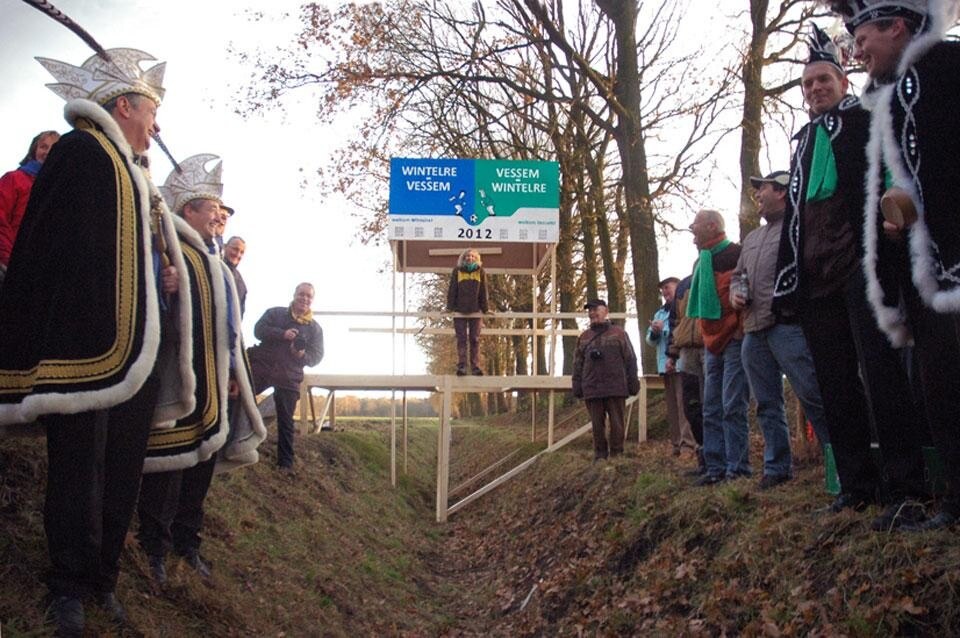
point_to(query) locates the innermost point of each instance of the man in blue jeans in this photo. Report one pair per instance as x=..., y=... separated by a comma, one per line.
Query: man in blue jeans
x=725, y=430
x=772, y=347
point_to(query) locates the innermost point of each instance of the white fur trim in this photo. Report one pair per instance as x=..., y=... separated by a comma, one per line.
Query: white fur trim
x=923, y=267
x=890, y=319
x=210, y=446
x=164, y=416
x=34, y=405
x=249, y=431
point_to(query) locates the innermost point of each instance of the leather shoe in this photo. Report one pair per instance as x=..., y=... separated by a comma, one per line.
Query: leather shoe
x=109, y=602
x=66, y=612
x=461, y=371
x=198, y=564
x=942, y=520
x=477, y=372
x=158, y=570
x=896, y=515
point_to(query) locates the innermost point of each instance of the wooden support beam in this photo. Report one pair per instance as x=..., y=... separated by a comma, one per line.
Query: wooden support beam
x=436, y=314
x=550, y=419
x=393, y=439
x=406, y=437
x=483, y=472
x=487, y=332
x=435, y=383
x=455, y=252
x=443, y=453
x=302, y=427
x=489, y=487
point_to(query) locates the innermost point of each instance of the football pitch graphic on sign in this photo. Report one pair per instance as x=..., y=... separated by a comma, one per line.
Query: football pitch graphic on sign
x=469, y=200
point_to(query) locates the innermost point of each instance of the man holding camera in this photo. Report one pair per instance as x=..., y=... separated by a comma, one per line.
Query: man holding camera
x=604, y=375
x=289, y=341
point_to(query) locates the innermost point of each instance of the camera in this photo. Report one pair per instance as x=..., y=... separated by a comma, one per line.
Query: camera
x=300, y=342
x=596, y=354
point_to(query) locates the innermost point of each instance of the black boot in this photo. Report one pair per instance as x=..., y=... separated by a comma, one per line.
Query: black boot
x=66, y=613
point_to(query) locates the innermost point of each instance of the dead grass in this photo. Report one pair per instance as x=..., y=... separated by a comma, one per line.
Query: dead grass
x=569, y=548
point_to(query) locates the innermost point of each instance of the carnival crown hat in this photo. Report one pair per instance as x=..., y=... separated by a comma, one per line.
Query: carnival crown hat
x=102, y=80
x=859, y=12
x=823, y=48
x=193, y=181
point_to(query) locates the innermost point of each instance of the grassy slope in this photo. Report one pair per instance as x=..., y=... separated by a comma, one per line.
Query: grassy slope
x=617, y=548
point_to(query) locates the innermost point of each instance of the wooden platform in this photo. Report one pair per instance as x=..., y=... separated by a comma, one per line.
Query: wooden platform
x=434, y=383
x=448, y=385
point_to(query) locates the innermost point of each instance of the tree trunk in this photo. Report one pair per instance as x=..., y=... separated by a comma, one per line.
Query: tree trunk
x=752, y=125
x=633, y=156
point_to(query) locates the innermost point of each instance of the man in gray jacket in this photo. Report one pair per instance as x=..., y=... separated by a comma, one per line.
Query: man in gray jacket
x=772, y=348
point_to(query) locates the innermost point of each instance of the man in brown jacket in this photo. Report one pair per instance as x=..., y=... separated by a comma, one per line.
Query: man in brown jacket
x=604, y=375
x=685, y=356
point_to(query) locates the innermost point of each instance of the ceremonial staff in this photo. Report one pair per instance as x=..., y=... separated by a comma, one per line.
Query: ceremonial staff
x=51, y=11
x=156, y=210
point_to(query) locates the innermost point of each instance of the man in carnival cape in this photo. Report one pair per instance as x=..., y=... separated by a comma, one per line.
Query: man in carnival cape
x=91, y=316
x=181, y=460
x=862, y=379
x=911, y=220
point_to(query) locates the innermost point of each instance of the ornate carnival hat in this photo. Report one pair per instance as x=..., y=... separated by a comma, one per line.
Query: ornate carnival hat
x=100, y=80
x=824, y=48
x=193, y=181
x=859, y=12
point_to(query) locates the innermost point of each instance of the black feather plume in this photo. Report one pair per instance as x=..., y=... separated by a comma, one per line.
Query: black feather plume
x=48, y=9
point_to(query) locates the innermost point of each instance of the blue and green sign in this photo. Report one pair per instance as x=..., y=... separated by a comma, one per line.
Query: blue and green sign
x=497, y=200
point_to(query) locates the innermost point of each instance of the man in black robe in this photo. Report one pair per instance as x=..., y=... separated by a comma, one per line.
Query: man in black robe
x=912, y=229
x=85, y=316
x=863, y=382
x=181, y=459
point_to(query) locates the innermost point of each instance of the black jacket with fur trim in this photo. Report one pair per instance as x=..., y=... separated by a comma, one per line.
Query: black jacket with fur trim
x=79, y=311
x=915, y=135
x=207, y=430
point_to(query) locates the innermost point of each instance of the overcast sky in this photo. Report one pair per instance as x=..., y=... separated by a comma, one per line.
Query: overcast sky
x=291, y=234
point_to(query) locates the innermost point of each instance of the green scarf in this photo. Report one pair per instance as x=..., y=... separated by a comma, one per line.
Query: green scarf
x=887, y=178
x=704, y=302
x=823, y=168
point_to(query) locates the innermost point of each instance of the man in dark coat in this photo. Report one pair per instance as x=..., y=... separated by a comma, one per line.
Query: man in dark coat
x=289, y=341
x=604, y=375
x=862, y=379
x=911, y=226
x=181, y=459
x=84, y=321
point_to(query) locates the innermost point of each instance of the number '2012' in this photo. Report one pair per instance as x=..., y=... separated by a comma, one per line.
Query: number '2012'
x=475, y=233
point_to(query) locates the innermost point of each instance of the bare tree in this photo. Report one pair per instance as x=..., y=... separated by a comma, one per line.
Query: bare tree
x=771, y=44
x=435, y=80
